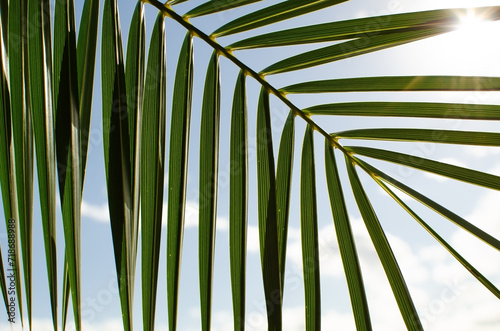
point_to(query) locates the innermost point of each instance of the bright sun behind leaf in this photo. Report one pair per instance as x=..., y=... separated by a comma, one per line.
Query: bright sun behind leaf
x=473, y=44
x=471, y=25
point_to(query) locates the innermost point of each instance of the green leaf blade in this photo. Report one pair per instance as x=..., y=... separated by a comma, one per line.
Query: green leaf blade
x=40, y=48
x=7, y=172
x=268, y=224
x=216, y=6
x=179, y=146
x=135, y=81
x=384, y=251
x=283, y=188
x=424, y=135
x=238, y=197
x=68, y=143
x=117, y=154
x=363, y=27
x=309, y=233
x=152, y=169
x=281, y=11
x=409, y=109
x=397, y=83
x=65, y=294
x=86, y=55
x=349, y=49
x=346, y=243
x=21, y=118
x=209, y=167
x=439, y=168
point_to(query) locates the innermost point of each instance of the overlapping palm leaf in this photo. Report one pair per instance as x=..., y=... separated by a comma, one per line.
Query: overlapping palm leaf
x=134, y=126
x=32, y=56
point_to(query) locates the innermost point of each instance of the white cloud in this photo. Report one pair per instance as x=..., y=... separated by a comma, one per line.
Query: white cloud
x=294, y=319
x=253, y=245
x=463, y=307
x=485, y=216
x=340, y=321
x=481, y=151
x=192, y=215
x=99, y=213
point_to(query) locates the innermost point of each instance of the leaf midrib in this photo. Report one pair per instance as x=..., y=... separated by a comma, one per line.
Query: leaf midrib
x=221, y=50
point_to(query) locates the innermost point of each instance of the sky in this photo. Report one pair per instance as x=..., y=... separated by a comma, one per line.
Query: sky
x=445, y=294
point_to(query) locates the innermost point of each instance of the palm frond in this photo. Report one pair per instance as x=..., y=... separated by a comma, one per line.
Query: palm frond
x=47, y=95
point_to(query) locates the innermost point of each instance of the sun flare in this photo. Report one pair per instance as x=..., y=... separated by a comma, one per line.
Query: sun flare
x=470, y=49
x=471, y=23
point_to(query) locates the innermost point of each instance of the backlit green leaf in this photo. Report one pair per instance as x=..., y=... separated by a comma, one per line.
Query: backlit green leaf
x=40, y=48
x=179, y=145
x=135, y=79
x=347, y=246
x=279, y=12
x=86, y=53
x=68, y=143
x=283, y=188
x=350, y=49
x=238, y=201
x=439, y=168
x=309, y=234
x=23, y=141
x=424, y=135
x=216, y=6
x=384, y=252
x=397, y=83
x=152, y=169
x=364, y=27
x=116, y=152
x=409, y=109
x=268, y=223
x=209, y=168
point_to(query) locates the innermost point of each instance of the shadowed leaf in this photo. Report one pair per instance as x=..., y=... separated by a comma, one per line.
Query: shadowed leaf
x=152, y=169
x=347, y=246
x=209, y=168
x=238, y=201
x=68, y=143
x=268, y=223
x=40, y=48
x=179, y=146
x=309, y=232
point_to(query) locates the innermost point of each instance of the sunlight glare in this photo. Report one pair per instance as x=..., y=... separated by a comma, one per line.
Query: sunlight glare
x=471, y=24
x=471, y=48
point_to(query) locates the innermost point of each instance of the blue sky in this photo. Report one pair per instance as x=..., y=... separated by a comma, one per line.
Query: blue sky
x=446, y=296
